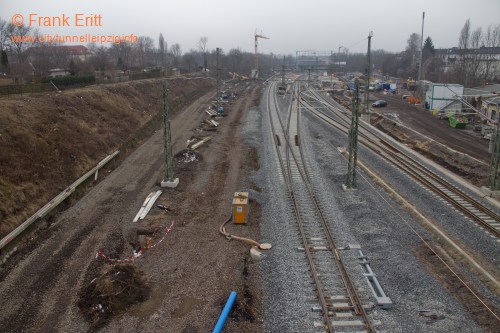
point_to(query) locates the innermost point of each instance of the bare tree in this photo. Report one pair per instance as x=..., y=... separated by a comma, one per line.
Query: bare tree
x=235, y=56
x=18, y=41
x=4, y=59
x=144, y=50
x=189, y=60
x=409, y=59
x=120, y=54
x=492, y=36
x=162, y=47
x=463, y=39
x=175, y=49
x=3, y=34
x=490, y=39
x=202, y=44
x=475, y=58
x=463, y=45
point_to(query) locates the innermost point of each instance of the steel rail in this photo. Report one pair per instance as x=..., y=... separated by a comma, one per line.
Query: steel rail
x=287, y=176
x=468, y=258
x=353, y=296
x=418, y=171
x=289, y=151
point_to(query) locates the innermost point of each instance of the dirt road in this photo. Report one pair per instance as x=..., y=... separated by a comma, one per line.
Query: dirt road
x=189, y=275
x=422, y=121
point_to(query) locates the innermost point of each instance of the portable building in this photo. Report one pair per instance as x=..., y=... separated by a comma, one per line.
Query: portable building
x=440, y=96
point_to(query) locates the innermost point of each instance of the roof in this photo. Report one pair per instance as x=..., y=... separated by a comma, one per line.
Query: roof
x=481, y=50
x=75, y=50
x=486, y=90
x=494, y=100
x=58, y=70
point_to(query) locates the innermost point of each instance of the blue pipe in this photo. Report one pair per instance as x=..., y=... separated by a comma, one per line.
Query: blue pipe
x=225, y=312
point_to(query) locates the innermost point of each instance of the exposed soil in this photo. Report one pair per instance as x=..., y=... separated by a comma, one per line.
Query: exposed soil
x=190, y=274
x=109, y=294
x=50, y=140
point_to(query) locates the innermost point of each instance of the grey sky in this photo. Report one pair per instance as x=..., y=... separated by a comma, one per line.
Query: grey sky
x=292, y=25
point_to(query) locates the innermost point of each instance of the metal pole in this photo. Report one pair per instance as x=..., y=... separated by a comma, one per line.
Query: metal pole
x=421, y=48
x=283, y=74
x=217, y=100
x=169, y=165
x=338, y=60
x=368, y=73
x=353, y=140
x=495, y=157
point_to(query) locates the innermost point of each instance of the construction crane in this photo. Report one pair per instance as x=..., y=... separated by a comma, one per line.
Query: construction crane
x=255, y=71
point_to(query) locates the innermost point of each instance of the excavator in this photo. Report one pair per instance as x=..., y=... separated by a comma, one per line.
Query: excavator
x=411, y=84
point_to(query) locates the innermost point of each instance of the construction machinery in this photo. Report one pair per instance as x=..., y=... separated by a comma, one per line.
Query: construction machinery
x=411, y=84
x=255, y=71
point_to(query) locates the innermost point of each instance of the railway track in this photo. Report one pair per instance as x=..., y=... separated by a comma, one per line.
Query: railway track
x=340, y=306
x=470, y=207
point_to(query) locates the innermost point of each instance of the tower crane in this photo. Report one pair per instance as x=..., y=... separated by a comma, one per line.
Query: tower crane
x=255, y=71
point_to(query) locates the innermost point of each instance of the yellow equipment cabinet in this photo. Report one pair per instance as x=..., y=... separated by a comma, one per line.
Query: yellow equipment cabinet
x=240, y=207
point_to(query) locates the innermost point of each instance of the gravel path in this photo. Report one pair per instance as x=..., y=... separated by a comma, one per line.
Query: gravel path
x=367, y=217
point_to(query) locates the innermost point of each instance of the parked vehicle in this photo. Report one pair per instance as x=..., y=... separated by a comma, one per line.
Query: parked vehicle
x=380, y=103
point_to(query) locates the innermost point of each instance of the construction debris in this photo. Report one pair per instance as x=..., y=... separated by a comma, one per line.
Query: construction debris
x=116, y=289
x=212, y=122
x=196, y=145
x=211, y=113
x=163, y=207
x=146, y=205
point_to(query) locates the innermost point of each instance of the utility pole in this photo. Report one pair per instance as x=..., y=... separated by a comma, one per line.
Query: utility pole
x=419, y=84
x=217, y=98
x=368, y=73
x=421, y=49
x=338, y=60
x=283, y=74
x=495, y=159
x=169, y=180
x=353, y=141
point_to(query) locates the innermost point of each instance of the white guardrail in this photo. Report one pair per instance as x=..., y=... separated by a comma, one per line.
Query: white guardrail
x=54, y=202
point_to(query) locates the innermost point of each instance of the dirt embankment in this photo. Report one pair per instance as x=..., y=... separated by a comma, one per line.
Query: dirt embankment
x=449, y=148
x=47, y=141
x=460, y=164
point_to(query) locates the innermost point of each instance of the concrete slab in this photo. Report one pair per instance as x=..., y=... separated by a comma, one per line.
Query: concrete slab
x=346, y=189
x=490, y=193
x=170, y=184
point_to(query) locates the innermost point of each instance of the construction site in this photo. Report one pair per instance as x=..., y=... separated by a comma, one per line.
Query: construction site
x=247, y=192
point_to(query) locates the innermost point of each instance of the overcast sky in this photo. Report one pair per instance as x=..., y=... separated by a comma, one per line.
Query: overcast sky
x=321, y=25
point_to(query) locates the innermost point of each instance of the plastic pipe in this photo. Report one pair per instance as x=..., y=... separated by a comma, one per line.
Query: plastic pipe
x=225, y=312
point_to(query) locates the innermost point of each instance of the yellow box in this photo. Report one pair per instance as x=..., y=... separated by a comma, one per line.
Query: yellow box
x=240, y=207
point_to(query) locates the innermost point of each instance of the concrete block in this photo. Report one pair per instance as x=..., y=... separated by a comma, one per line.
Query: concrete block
x=345, y=189
x=170, y=184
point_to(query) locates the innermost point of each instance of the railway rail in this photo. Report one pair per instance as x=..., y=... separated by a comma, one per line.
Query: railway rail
x=475, y=210
x=341, y=307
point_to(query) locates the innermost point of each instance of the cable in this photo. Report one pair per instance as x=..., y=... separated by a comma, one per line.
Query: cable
x=222, y=231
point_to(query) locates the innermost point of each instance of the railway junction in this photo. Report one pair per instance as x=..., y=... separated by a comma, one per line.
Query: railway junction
x=411, y=247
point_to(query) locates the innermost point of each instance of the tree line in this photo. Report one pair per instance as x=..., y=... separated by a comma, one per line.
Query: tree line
x=475, y=59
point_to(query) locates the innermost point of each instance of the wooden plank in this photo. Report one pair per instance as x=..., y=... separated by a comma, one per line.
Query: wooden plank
x=196, y=145
x=144, y=204
x=149, y=205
